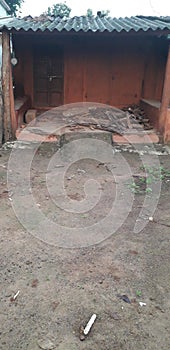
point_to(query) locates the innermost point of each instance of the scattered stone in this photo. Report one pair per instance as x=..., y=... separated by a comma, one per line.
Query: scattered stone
x=70, y=177
x=81, y=171
x=81, y=333
x=30, y=115
x=115, y=316
x=46, y=344
x=82, y=337
x=54, y=305
x=34, y=283
x=28, y=262
x=124, y=298
x=137, y=117
x=101, y=281
x=158, y=307
x=134, y=252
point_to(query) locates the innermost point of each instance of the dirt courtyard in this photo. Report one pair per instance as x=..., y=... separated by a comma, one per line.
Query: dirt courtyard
x=61, y=287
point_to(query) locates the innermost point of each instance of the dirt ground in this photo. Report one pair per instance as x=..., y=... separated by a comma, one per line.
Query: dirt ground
x=61, y=288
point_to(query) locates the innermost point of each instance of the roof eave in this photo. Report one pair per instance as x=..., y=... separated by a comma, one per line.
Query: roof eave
x=123, y=32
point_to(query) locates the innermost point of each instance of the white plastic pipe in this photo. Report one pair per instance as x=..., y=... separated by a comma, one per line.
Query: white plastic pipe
x=15, y=296
x=90, y=324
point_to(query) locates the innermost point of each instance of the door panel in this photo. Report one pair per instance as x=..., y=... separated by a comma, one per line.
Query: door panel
x=42, y=98
x=48, y=78
x=55, y=99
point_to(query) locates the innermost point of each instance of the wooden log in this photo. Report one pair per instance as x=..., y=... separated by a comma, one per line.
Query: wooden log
x=7, y=127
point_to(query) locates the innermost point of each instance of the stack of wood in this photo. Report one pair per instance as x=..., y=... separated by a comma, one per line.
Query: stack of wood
x=138, y=114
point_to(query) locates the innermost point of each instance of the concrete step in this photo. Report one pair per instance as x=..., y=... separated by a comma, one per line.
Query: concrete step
x=66, y=135
x=136, y=138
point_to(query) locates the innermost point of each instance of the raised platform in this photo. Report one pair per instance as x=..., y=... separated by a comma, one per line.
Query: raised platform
x=65, y=124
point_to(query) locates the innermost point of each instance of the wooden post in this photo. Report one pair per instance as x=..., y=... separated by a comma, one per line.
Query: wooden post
x=7, y=127
x=12, y=106
x=1, y=114
x=1, y=101
x=165, y=95
x=84, y=92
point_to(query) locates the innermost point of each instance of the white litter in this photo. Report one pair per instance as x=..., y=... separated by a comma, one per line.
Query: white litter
x=16, y=295
x=81, y=171
x=150, y=218
x=142, y=304
x=90, y=324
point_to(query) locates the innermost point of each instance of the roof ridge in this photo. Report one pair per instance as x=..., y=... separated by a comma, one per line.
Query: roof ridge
x=157, y=18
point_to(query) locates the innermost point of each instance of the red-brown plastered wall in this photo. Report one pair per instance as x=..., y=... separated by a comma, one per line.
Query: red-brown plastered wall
x=115, y=72
x=154, y=73
x=99, y=69
x=23, y=71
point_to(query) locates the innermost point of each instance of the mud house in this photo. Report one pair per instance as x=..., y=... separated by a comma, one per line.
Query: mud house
x=108, y=60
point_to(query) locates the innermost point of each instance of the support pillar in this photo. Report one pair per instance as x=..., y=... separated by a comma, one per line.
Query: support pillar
x=1, y=114
x=165, y=98
x=6, y=69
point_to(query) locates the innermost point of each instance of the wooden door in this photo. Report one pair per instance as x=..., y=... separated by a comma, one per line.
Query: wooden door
x=48, y=78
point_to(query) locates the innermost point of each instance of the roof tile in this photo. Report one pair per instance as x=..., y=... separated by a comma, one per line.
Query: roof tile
x=85, y=24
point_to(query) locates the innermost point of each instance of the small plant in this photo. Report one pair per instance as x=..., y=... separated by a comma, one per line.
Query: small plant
x=148, y=190
x=134, y=187
x=138, y=293
x=138, y=185
x=153, y=175
x=84, y=215
x=149, y=180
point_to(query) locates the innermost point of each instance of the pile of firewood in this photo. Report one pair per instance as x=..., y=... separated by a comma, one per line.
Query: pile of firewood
x=137, y=113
